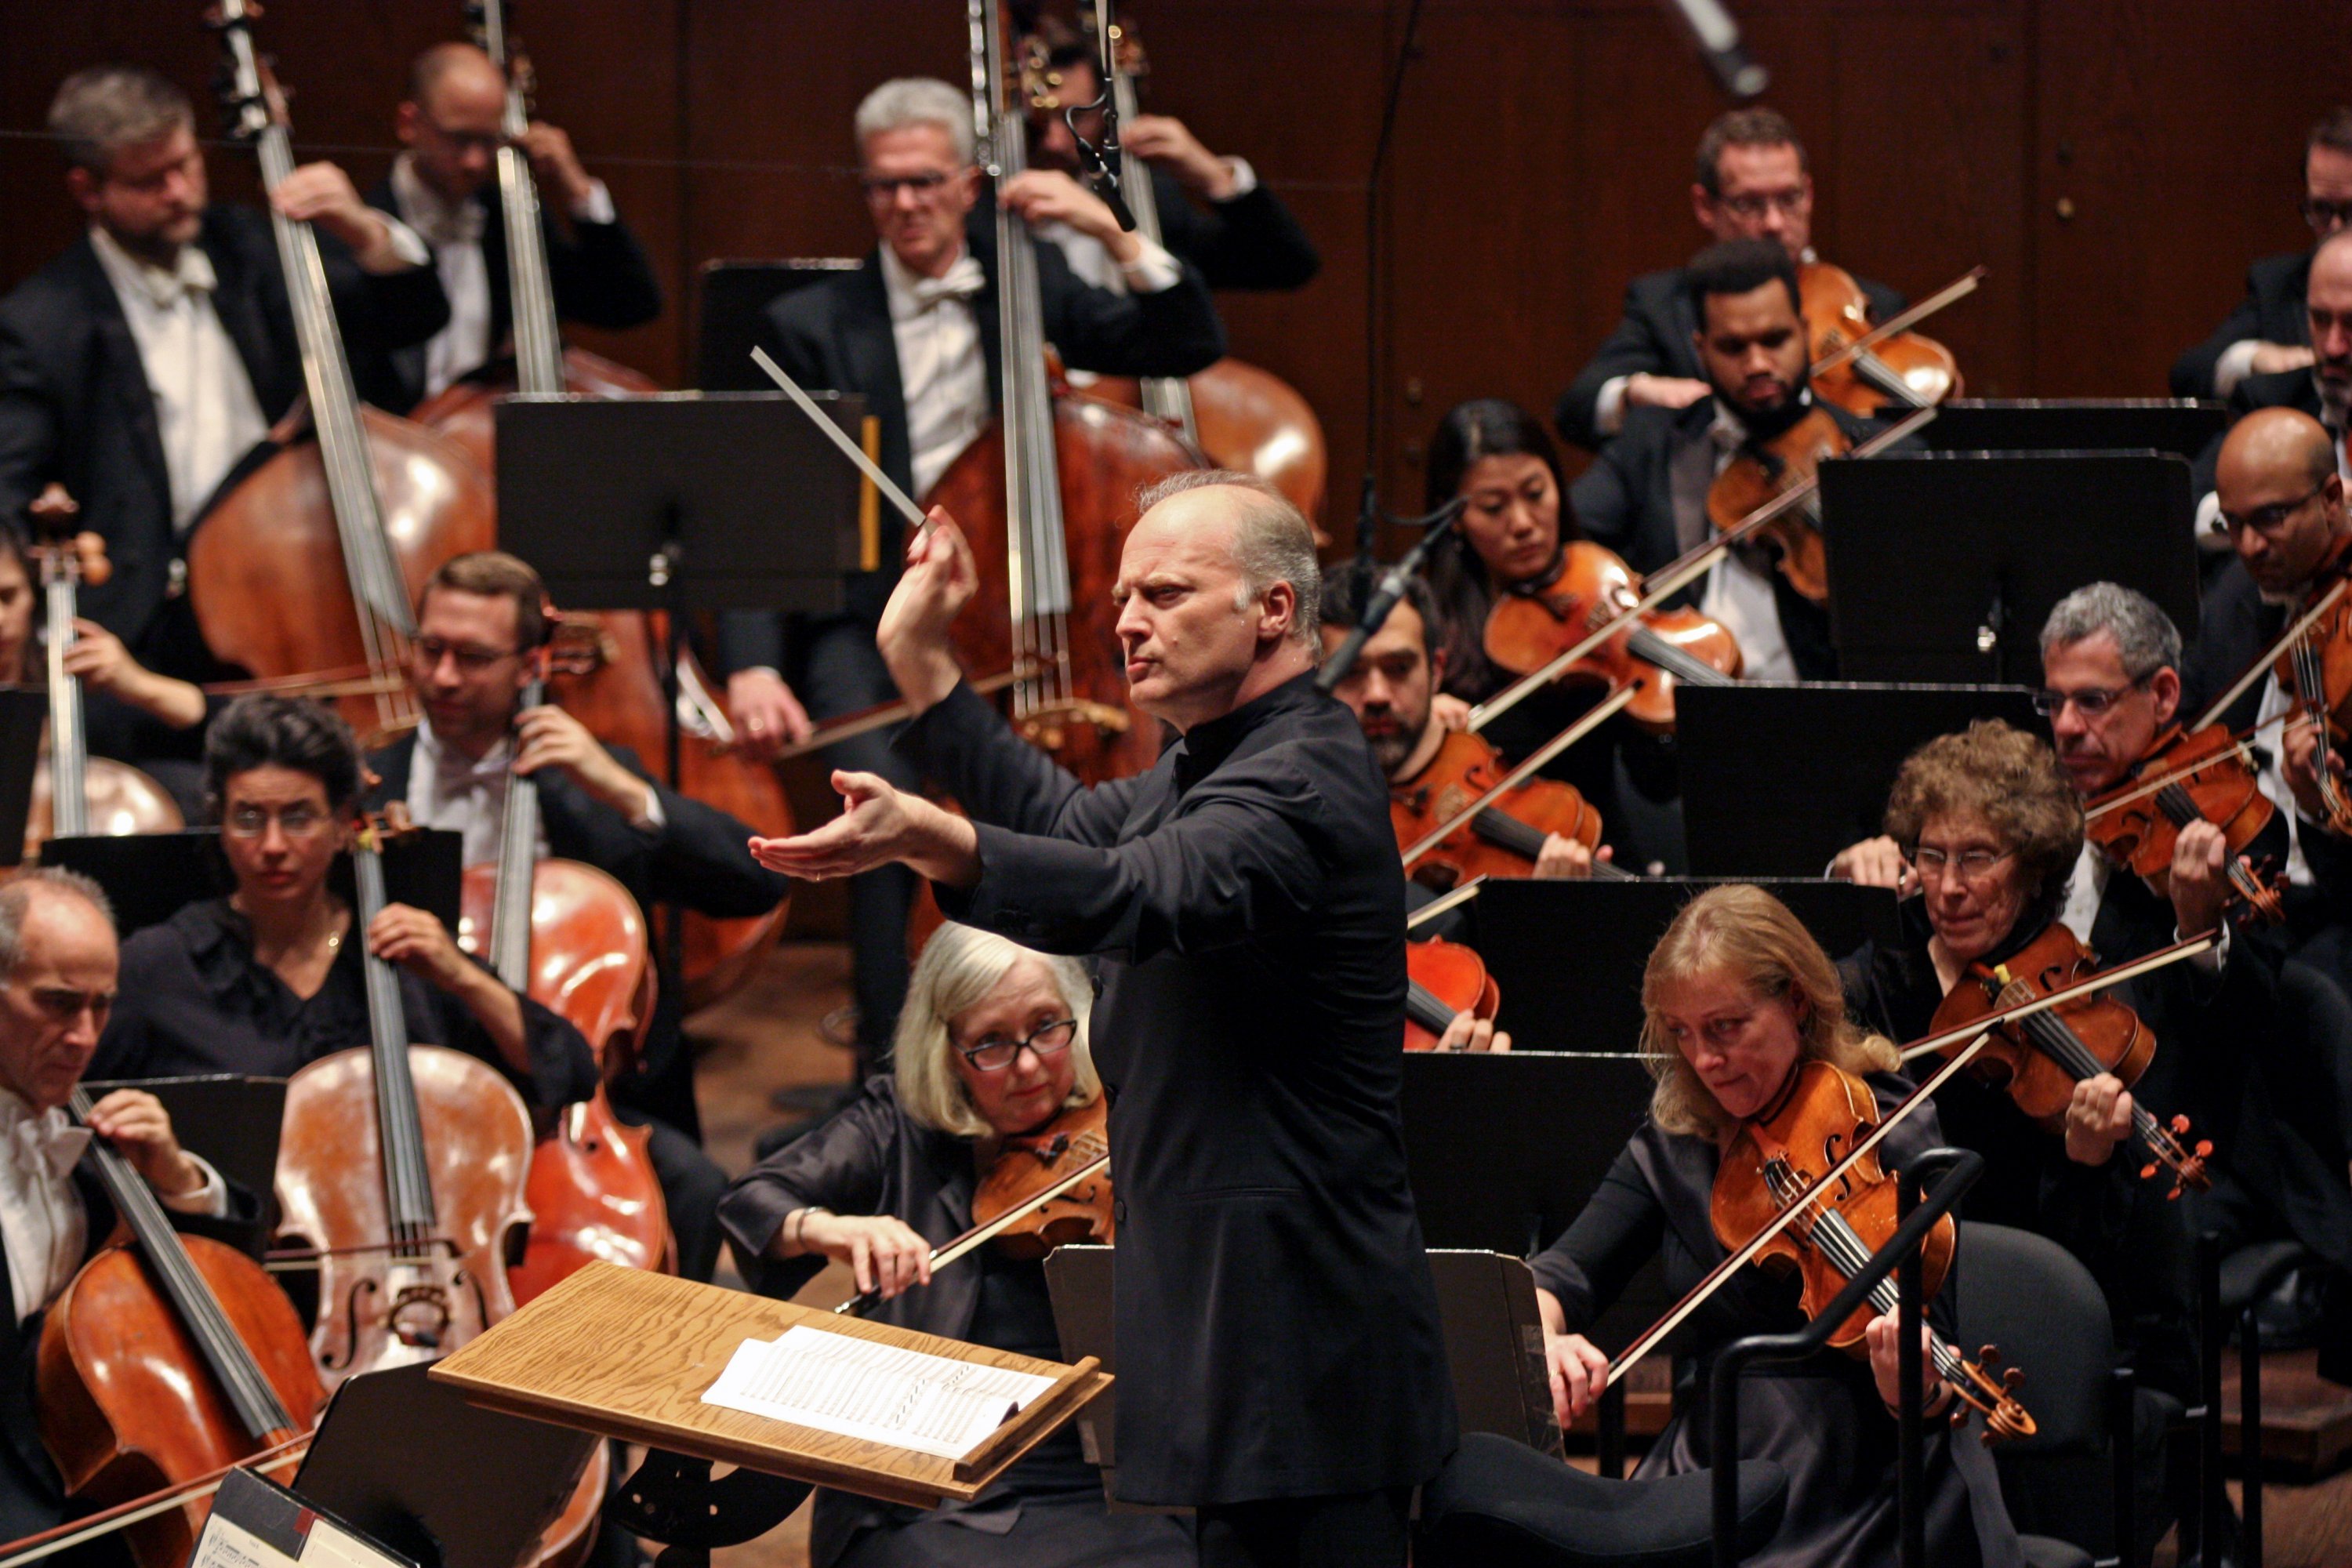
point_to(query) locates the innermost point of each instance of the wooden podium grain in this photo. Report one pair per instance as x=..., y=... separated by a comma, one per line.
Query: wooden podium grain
x=627, y=1354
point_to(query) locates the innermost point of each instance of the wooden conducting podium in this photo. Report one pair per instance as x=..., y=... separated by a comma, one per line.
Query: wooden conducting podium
x=628, y=1354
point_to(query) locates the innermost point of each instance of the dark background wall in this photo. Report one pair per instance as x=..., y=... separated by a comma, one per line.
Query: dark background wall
x=2115, y=162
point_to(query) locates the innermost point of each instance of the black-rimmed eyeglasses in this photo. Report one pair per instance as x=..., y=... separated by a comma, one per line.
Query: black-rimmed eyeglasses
x=998, y=1052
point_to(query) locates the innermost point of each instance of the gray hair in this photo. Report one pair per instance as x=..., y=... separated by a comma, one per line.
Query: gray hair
x=2144, y=634
x=915, y=100
x=960, y=966
x=99, y=111
x=1272, y=541
x=16, y=902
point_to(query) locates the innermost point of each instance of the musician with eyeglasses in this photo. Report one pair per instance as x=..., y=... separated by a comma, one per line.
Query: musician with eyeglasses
x=268, y=978
x=1753, y=182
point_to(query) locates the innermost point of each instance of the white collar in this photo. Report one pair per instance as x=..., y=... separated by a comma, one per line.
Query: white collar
x=443, y=761
x=911, y=294
x=193, y=272
x=437, y=219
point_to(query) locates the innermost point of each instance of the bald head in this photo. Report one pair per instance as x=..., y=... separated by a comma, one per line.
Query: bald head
x=451, y=120
x=2280, y=496
x=453, y=67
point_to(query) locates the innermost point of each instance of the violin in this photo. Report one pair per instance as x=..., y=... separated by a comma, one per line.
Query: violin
x=1761, y=473
x=2313, y=665
x=1778, y=1164
x=1444, y=979
x=1502, y=839
x=402, y=1169
x=1905, y=368
x=74, y=793
x=2039, y=1059
x=167, y=1358
x=2197, y=776
x=571, y=938
x=1534, y=623
x=348, y=527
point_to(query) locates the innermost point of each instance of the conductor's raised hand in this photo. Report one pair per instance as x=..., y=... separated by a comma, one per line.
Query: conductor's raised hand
x=879, y=825
x=939, y=580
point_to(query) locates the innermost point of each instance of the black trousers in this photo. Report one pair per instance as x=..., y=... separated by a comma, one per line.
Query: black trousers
x=1355, y=1530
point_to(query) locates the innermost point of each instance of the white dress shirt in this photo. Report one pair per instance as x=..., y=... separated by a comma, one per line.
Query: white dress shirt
x=41, y=1217
x=1738, y=590
x=942, y=374
x=454, y=233
x=205, y=411
x=1155, y=270
x=469, y=798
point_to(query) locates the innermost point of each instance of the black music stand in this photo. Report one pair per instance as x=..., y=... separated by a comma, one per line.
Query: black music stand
x=735, y=297
x=2179, y=425
x=1944, y=565
x=1594, y=1004
x=1778, y=778
x=150, y=876
x=447, y=1483
x=23, y=711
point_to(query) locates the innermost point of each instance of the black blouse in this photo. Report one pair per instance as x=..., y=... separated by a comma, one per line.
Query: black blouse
x=193, y=999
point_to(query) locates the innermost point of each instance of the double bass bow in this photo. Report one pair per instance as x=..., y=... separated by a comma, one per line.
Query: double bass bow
x=348, y=527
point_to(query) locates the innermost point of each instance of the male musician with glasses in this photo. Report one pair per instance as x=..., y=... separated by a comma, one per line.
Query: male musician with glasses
x=2265, y=336
x=58, y=965
x=445, y=186
x=479, y=620
x=915, y=332
x=143, y=369
x=1753, y=182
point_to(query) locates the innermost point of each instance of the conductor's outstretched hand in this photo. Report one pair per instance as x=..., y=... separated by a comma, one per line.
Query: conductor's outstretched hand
x=879, y=824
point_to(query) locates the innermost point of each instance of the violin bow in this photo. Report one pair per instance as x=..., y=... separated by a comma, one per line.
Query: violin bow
x=1451, y=899
x=122, y=1515
x=2287, y=640
x=857, y=1306
x=1958, y=289
x=2087, y=985
x=1678, y=573
x=1600, y=713
x=1697, y=1295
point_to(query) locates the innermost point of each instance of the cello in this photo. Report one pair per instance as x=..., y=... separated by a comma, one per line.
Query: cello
x=1044, y=490
x=165, y=1359
x=571, y=938
x=348, y=527
x=617, y=692
x=402, y=1169
x=74, y=793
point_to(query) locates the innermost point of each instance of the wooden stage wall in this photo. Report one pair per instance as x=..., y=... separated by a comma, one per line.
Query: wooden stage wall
x=2115, y=162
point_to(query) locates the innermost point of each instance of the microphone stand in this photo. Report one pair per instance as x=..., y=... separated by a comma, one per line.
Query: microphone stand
x=1392, y=588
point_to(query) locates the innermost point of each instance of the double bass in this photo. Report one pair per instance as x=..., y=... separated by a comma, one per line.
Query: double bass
x=167, y=1358
x=348, y=527
x=1044, y=490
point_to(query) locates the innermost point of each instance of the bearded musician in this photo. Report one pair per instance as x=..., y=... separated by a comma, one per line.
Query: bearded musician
x=1753, y=182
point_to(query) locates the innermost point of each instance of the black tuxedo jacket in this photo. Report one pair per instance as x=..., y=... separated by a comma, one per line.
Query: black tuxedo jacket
x=1655, y=335
x=1249, y=242
x=2271, y=312
x=600, y=273
x=837, y=335
x=75, y=405
x=32, y=1497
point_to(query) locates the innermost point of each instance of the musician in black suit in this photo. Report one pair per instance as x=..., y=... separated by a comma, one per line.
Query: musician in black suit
x=143, y=367
x=1213, y=212
x=1753, y=182
x=476, y=620
x=1280, y=1364
x=445, y=186
x=1645, y=496
x=57, y=972
x=2266, y=334
x=2321, y=387
x=915, y=331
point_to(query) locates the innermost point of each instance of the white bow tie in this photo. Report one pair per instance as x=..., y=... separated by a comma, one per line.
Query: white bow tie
x=961, y=281
x=50, y=1139
x=192, y=274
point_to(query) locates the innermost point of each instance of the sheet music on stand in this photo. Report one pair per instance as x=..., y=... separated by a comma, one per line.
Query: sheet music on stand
x=257, y=1524
x=883, y=1393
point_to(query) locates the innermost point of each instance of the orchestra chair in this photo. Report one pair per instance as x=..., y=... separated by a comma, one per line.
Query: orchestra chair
x=1500, y=1504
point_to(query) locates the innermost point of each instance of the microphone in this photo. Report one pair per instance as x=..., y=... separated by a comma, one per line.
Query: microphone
x=1392, y=587
x=1719, y=45
x=1103, y=160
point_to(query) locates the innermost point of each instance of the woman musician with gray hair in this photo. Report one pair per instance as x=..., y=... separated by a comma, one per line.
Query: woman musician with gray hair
x=992, y=1045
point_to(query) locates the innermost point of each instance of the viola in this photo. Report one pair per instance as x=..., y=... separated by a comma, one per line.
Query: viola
x=571, y=938
x=1044, y=492
x=1502, y=839
x=2039, y=1059
x=404, y=1169
x=348, y=527
x=1444, y=979
x=2198, y=775
x=165, y=1359
x=74, y=793
x=1906, y=369
x=1764, y=471
x=1779, y=1162
x=1657, y=651
x=2313, y=665
x=1029, y=1164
